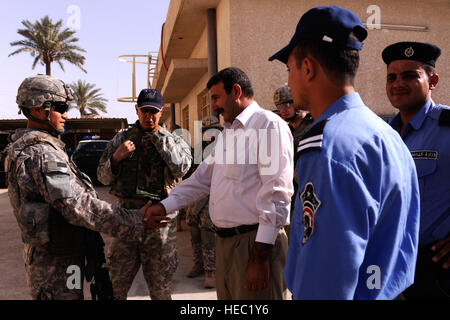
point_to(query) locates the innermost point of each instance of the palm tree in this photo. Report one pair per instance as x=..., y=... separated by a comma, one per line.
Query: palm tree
x=86, y=98
x=47, y=43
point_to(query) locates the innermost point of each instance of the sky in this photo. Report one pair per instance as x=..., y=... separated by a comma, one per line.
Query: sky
x=106, y=30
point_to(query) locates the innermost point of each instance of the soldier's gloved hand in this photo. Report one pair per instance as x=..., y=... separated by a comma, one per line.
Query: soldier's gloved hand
x=154, y=217
x=125, y=150
x=101, y=287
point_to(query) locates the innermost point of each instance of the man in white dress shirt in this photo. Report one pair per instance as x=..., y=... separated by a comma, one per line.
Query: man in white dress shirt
x=249, y=178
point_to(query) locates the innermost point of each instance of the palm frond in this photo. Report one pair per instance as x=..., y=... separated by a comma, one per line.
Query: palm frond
x=88, y=98
x=61, y=65
x=36, y=60
x=92, y=111
x=48, y=40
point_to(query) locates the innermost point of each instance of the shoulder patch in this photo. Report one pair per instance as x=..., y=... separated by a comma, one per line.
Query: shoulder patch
x=55, y=166
x=310, y=204
x=444, y=118
x=57, y=178
x=312, y=139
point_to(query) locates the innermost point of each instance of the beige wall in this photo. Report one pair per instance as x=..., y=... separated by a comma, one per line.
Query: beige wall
x=261, y=27
x=191, y=100
x=201, y=48
x=200, y=51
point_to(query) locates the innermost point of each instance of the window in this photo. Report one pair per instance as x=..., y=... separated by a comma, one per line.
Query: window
x=185, y=117
x=203, y=104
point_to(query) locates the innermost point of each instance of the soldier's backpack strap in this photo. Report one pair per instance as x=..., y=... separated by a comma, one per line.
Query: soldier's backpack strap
x=24, y=142
x=134, y=134
x=444, y=118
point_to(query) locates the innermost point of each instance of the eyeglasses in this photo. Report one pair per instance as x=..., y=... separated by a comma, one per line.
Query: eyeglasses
x=60, y=107
x=284, y=105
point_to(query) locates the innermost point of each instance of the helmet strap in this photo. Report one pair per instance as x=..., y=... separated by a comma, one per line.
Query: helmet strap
x=27, y=113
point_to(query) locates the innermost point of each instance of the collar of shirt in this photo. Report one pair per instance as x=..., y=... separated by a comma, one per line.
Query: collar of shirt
x=348, y=101
x=416, y=121
x=243, y=118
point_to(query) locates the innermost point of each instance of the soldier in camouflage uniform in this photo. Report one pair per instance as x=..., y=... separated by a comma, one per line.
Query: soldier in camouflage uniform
x=299, y=122
x=197, y=217
x=54, y=203
x=144, y=163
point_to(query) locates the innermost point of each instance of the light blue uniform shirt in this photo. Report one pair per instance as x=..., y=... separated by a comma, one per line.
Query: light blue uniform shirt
x=354, y=231
x=429, y=144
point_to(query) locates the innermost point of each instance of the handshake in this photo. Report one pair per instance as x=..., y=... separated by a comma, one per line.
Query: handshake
x=154, y=216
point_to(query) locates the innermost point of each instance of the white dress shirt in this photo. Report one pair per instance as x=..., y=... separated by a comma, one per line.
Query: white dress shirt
x=248, y=175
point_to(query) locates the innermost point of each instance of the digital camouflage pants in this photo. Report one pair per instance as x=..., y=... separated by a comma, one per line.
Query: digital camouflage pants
x=156, y=253
x=49, y=277
x=202, y=234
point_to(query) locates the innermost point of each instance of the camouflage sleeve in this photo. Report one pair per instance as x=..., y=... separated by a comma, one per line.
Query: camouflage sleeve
x=45, y=173
x=175, y=152
x=105, y=172
x=195, y=208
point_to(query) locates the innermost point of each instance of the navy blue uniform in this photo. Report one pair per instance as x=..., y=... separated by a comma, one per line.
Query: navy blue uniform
x=427, y=136
x=354, y=231
x=429, y=144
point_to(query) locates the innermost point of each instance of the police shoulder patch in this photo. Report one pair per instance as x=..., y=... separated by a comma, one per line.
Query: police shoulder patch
x=444, y=118
x=310, y=204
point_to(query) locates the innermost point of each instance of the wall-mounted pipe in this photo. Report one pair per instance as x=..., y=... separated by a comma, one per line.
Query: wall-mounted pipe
x=211, y=33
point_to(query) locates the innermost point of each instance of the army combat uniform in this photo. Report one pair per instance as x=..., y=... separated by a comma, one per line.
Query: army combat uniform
x=55, y=205
x=202, y=235
x=149, y=173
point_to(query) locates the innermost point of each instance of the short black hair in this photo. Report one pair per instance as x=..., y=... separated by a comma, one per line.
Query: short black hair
x=340, y=63
x=230, y=77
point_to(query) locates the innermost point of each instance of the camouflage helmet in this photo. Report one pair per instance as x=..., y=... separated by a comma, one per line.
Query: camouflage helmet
x=283, y=95
x=34, y=91
x=210, y=122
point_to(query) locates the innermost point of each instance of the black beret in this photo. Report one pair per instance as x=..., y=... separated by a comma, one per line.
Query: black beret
x=418, y=51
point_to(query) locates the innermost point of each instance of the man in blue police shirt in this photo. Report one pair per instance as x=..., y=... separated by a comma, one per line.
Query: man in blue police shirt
x=354, y=232
x=425, y=128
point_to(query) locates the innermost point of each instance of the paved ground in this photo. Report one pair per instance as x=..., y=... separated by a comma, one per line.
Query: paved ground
x=12, y=272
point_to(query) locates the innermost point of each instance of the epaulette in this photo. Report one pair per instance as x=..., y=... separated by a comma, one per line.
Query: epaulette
x=444, y=118
x=312, y=139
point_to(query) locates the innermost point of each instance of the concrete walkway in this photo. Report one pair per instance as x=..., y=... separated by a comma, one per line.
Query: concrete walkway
x=12, y=272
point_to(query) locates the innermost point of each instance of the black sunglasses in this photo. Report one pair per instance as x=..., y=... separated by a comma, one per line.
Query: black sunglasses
x=149, y=110
x=60, y=107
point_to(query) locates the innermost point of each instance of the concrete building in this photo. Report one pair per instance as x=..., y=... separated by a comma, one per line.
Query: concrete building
x=202, y=36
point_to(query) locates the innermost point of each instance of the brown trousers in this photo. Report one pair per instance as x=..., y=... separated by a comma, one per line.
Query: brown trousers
x=232, y=255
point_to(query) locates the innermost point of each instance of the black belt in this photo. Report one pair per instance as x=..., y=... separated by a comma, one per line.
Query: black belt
x=229, y=232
